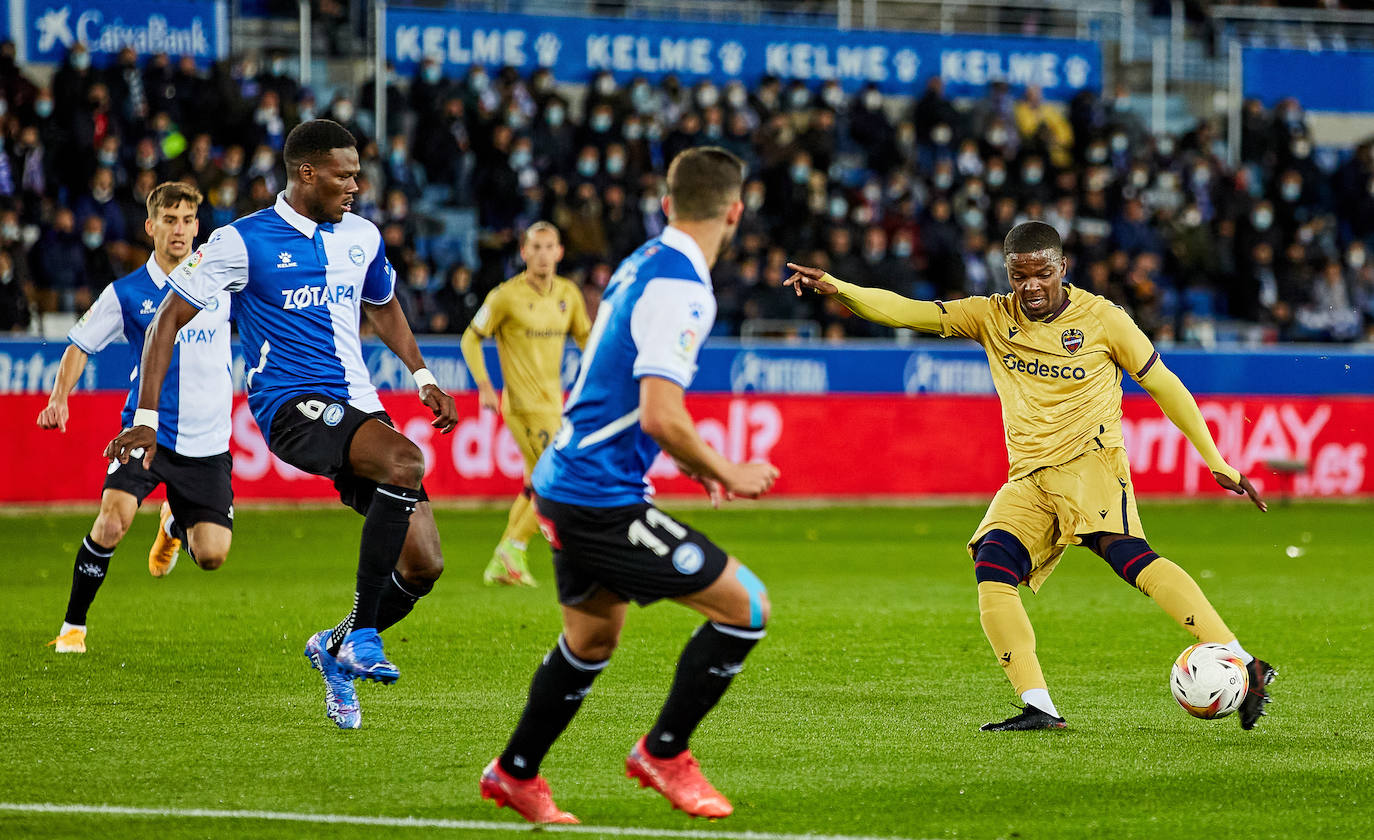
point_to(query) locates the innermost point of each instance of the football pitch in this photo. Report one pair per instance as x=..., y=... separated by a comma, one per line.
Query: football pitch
x=195, y=715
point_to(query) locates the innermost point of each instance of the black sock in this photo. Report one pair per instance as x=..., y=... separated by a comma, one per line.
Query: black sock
x=88, y=572
x=708, y=663
x=556, y=693
x=398, y=599
x=343, y=628
x=384, y=534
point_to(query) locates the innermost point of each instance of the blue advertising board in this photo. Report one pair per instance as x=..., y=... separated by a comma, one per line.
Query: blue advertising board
x=576, y=48
x=724, y=366
x=46, y=29
x=1322, y=81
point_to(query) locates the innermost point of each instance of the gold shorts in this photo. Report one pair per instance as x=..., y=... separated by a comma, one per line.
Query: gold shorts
x=1055, y=507
x=532, y=431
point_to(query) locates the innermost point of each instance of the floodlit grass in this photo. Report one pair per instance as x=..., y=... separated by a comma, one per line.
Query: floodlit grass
x=858, y=714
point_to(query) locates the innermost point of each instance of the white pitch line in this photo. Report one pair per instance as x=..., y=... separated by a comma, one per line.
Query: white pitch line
x=413, y=822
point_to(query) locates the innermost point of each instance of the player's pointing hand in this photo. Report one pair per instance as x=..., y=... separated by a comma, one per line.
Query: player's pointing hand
x=445, y=411
x=139, y=440
x=1244, y=488
x=806, y=277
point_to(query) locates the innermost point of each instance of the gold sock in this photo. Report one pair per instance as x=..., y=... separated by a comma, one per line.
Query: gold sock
x=1178, y=594
x=517, y=514
x=1008, y=628
x=525, y=526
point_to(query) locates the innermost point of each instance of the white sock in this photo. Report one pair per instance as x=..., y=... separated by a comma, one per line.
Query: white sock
x=1040, y=699
x=67, y=628
x=167, y=526
x=1234, y=647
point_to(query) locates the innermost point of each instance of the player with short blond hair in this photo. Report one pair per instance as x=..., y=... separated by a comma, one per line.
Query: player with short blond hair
x=531, y=316
x=194, y=462
x=1057, y=355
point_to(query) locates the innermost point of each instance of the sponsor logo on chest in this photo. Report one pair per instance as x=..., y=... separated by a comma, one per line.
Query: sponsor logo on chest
x=306, y=297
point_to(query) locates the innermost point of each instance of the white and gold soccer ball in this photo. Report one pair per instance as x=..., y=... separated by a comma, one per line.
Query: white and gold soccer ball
x=1209, y=680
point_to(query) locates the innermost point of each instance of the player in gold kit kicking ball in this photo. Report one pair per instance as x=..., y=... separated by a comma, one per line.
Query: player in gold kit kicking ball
x=1057, y=355
x=531, y=316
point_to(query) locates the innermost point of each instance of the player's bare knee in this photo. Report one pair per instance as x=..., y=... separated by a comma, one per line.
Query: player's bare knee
x=1001, y=558
x=210, y=561
x=406, y=466
x=110, y=527
x=424, y=568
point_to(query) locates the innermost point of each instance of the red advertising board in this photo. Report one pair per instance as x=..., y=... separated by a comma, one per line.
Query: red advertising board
x=830, y=446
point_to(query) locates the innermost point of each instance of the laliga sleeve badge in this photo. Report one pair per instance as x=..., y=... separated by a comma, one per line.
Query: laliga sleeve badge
x=1072, y=340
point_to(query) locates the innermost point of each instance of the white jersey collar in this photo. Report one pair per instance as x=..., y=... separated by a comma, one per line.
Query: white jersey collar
x=296, y=220
x=155, y=271
x=678, y=240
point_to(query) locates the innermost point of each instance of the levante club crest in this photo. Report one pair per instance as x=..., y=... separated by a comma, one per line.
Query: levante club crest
x=1072, y=339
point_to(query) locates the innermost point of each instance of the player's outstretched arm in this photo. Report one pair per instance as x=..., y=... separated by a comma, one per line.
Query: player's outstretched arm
x=390, y=323
x=663, y=416
x=158, y=344
x=1179, y=406
x=471, y=345
x=877, y=305
x=54, y=415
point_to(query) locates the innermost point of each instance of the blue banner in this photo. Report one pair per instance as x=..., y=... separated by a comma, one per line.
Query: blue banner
x=726, y=366
x=199, y=28
x=575, y=48
x=1321, y=81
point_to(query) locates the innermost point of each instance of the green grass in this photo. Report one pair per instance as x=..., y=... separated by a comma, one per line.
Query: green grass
x=857, y=715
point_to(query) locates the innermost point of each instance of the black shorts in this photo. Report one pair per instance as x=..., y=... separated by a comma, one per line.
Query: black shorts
x=637, y=552
x=198, y=489
x=312, y=432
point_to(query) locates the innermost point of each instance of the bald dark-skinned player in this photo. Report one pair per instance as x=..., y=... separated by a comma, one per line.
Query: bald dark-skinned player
x=1057, y=355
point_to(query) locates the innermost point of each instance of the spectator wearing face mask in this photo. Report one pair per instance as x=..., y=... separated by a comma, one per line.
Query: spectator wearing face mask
x=99, y=201
x=401, y=171
x=600, y=129
x=100, y=270
x=268, y=123
x=72, y=80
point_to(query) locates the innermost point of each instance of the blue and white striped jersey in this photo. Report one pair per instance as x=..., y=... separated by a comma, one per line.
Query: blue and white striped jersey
x=657, y=310
x=299, y=290
x=197, y=395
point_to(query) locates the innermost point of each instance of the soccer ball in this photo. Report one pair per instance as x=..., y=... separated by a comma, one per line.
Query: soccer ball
x=1209, y=681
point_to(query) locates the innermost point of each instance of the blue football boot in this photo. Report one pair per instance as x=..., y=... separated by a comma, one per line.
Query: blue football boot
x=340, y=698
x=361, y=657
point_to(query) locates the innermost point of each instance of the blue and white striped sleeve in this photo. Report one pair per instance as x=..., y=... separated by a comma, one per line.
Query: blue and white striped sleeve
x=379, y=284
x=220, y=264
x=669, y=323
x=102, y=323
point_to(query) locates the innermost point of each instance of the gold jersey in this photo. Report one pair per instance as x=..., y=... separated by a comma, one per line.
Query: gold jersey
x=531, y=330
x=1059, y=379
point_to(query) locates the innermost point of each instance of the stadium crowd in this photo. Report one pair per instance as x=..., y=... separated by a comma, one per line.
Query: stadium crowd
x=915, y=196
